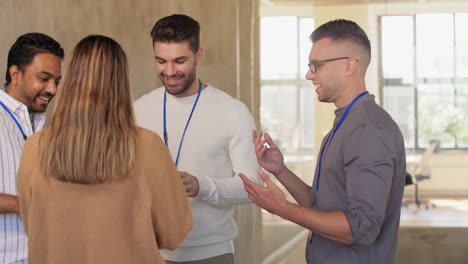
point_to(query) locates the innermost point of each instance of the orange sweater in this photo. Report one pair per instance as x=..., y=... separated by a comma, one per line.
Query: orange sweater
x=124, y=222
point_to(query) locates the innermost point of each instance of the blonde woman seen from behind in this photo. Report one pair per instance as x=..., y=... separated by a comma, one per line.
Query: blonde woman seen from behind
x=93, y=187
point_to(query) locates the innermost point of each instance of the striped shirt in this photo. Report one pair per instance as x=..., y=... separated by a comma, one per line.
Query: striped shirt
x=13, y=240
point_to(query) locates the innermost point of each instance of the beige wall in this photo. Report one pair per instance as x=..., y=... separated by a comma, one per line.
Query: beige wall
x=229, y=35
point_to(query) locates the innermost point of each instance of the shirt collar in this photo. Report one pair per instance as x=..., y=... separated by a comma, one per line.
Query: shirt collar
x=16, y=106
x=10, y=102
x=340, y=111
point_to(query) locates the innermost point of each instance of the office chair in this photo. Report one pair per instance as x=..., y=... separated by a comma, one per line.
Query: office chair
x=420, y=171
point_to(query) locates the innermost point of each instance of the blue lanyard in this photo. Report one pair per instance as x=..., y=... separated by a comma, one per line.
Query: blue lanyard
x=14, y=120
x=328, y=140
x=186, y=125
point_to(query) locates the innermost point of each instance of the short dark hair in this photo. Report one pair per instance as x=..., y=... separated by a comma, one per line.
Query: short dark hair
x=177, y=28
x=26, y=47
x=342, y=29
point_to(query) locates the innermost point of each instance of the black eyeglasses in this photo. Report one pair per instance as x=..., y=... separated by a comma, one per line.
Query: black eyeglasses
x=313, y=64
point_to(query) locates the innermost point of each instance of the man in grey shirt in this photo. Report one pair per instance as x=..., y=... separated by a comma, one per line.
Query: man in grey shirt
x=353, y=206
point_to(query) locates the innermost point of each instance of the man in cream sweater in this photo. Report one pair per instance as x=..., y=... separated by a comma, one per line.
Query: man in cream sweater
x=209, y=136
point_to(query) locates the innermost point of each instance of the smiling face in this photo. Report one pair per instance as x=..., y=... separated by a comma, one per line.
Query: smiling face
x=176, y=65
x=328, y=79
x=36, y=85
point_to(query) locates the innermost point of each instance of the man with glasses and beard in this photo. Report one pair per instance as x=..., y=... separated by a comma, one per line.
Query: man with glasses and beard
x=207, y=133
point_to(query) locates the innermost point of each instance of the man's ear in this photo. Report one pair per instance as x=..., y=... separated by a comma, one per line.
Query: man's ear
x=199, y=55
x=351, y=66
x=15, y=73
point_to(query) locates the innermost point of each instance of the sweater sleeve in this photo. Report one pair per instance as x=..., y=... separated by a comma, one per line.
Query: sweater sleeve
x=24, y=179
x=369, y=176
x=171, y=213
x=230, y=191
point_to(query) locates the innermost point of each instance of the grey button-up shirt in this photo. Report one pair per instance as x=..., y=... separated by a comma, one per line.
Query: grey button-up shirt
x=363, y=175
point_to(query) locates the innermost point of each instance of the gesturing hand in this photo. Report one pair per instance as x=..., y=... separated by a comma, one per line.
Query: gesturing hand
x=268, y=197
x=190, y=183
x=268, y=155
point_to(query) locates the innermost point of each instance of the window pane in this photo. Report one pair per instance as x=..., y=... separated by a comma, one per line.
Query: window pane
x=397, y=48
x=278, y=48
x=307, y=116
x=436, y=114
x=462, y=95
x=438, y=43
x=463, y=141
x=462, y=103
x=306, y=26
x=461, y=41
x=399, y=103
x=279, y=116
x=434, y=45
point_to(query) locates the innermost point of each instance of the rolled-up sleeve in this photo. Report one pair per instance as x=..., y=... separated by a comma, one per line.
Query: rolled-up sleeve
x=370, y=158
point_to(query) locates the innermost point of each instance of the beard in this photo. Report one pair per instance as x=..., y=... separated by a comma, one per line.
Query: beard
x=177, y=89
x=36, y=102
x=39, y=105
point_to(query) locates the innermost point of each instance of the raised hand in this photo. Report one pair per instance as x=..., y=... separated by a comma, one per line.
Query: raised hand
x=268, y=154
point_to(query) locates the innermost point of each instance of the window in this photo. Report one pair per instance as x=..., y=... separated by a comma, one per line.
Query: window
x=287, y=99
x=286, y=113
x=424, y=77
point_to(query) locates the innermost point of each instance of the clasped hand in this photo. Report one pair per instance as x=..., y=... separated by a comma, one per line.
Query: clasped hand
x=192, y=187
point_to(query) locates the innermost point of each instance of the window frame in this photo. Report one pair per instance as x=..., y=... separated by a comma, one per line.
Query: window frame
x=418, y=81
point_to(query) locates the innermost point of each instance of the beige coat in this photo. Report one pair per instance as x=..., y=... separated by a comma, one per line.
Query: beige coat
x=124, y=222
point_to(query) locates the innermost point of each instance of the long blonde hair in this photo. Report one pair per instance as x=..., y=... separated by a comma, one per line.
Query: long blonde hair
x=92, y=135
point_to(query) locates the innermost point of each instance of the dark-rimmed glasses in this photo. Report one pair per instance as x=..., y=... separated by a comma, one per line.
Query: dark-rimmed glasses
x=313, y=64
